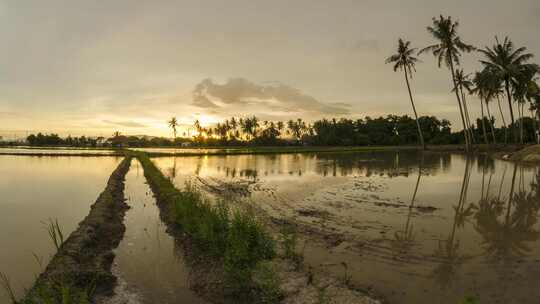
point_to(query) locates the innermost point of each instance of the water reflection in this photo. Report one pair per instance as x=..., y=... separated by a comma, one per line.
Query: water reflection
x=404, y=239
x=506, y=232
x=448, y=250
x=446, y=222
x=389, y=164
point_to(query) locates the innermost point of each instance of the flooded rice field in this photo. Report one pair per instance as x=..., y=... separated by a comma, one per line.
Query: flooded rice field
x=148, y=263
x=35, y=189
x=412, y=227
x=53, y=151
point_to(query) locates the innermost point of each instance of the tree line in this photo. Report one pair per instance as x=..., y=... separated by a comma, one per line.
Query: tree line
x=388, y=130
x=506, y=74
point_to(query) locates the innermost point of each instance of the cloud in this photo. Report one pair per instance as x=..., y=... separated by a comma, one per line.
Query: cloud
x=128, y=124
x=272, y=96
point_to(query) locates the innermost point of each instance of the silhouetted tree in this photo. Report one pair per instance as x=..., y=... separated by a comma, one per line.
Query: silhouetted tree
x=405, y=60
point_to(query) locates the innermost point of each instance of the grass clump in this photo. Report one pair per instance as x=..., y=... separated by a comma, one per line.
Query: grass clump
x=289, y=242
x=55, y=232
x=267, y=280
x=61, y=291
x=5, y=283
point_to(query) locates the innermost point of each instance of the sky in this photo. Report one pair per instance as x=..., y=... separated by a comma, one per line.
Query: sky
x=95, y=67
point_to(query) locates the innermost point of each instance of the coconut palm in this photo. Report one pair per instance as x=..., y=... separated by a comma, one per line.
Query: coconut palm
x=448, y=50
x=507, y=62
x=481, y=89
x=173, y=123
x=404, y=60
x=198, y=127
x=526, y=89
x=493, y=87
x=464, y=82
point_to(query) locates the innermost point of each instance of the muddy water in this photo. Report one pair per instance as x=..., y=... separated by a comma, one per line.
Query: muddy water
x=148, y=262
x=415, y=228
x=34, y=189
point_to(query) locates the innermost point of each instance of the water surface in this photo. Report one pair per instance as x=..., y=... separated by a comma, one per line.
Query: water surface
x=416, y=228
x=34, y=189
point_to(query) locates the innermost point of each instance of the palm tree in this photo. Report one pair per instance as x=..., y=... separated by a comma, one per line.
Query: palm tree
x=198, y=127
x=493, y=87
x=482, y=90
x=463, y=81
x=173, y=123
x=448, y=50
x=405, y=60
x=507, y=62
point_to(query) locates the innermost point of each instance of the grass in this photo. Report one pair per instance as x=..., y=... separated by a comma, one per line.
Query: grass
x=5, y=283
x=289, y=242
x=234, y=238
x=60, y=292
x=55, y=232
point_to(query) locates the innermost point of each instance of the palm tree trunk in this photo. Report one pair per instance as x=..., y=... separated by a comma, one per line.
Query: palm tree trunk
x=467, y=119
x=509, y=96
x=537, y=120
x=467, y=143
x=491, y=124
x=511, y=196
x=503, y=120
x=522, y=117
x=420, y=135
x=483, y=122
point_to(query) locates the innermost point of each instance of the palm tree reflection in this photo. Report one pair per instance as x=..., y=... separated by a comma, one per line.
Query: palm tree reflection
x=404, y=239
x=448, y=250
x=506, y=236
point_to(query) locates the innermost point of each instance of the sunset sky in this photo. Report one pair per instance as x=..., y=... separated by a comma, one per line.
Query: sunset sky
x=94, y=67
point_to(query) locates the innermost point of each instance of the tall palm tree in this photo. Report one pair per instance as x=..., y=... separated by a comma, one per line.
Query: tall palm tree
x=198, y=127
x=448, y=50
x=405, y=60
x=482, y=90
x=507, y=62
x=493, y=87
x=173, y=123
x=463, y=81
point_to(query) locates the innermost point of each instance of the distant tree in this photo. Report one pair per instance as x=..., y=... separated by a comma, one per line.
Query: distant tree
x=173, y=123
x=405, y=60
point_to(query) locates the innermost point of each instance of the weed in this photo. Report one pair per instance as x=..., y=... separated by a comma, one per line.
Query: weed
x=289, y=239
x=61, y=291
x=322, y=295
x=346, y=275
x=55, y=232
x=5, y=283
x=267, y=282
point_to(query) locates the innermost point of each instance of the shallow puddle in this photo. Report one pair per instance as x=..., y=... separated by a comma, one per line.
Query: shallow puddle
x=148, y=263
x=416, y=228
x=33, y=190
